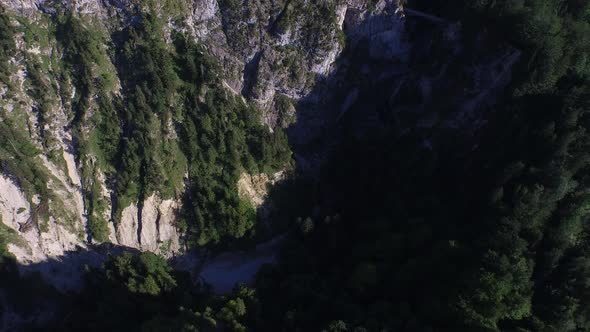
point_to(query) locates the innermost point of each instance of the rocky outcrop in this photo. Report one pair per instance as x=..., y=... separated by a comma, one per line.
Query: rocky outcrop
x=151, y=228
x=383, y=30
x=48, y=217
x=168, y=233
x=204, y=18
x=30, y=8
x=32, y=245
x=50, y=221
x=127, y=228
x=155, y=231
x=237, y=32
x=23, y=7
x=254, y=188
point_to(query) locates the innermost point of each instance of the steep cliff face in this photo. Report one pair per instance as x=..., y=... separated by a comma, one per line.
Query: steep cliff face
x=156, y=231
x=68, y=195
x=47, y=204
x=109, y=119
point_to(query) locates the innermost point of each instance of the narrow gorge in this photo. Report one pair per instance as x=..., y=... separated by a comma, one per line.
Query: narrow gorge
x=294, y=165
x=62, y=189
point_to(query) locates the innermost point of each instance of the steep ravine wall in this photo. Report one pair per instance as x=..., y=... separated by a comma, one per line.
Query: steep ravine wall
x=155, y=231
x=260, y=72
x=274, y=64
x=150, y=228
x=52, y=223
x=271, y=61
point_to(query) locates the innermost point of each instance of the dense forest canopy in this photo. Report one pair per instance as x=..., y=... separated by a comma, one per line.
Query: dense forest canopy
x=398, y=238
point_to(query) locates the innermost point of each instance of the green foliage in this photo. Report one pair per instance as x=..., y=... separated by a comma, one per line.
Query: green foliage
x=233, y=11
x=320, y=23
x=87, y=65
x=145, y=273
x=285, y=109
x=554, y=36
x=221, y=137
x=172, y=120
x=306, y=225
x=7, y=236
x=7, y=46
x=285, y=20
x=493, y=238
x=316, y=21
x=83, y=56
x=244, y=22
x=96, y=206
x=501, y=227
x=20, y=159
x=18, y=154
x=175, y=9
x=140, y=292
x=231, y=314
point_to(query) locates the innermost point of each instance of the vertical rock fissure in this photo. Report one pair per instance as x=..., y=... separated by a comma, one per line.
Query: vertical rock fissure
x=141, y=199
x=87, y=207
x=249, y=76
x=113, y=219
x=140, y=204
x=158, y=216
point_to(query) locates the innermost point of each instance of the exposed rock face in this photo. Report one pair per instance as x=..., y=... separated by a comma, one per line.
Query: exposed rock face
x=153, y=229
x=127, y=227
x=50, y=224
x=32, y=245
x=254, y=188
x=30, y=7
x=383, y=29
x=24, y=7
x=150, y=229
x=15, y=211
x=52, y=239
x=168, y=235
x=237, y=34
x=204, y=18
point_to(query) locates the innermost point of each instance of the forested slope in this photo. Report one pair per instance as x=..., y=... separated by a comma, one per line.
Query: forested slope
x=124, y=133
x=493, y=238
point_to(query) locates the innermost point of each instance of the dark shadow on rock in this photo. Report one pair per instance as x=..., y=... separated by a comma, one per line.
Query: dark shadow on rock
x=43, y=296
x=250, y=71
x=71, y=291
x=420, y=76
x=66, y=272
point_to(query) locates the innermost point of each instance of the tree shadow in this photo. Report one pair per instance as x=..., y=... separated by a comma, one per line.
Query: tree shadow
x=35, y=291
x=43, y=295
x=85, y=290
x=413, y=75
x=34, y=294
